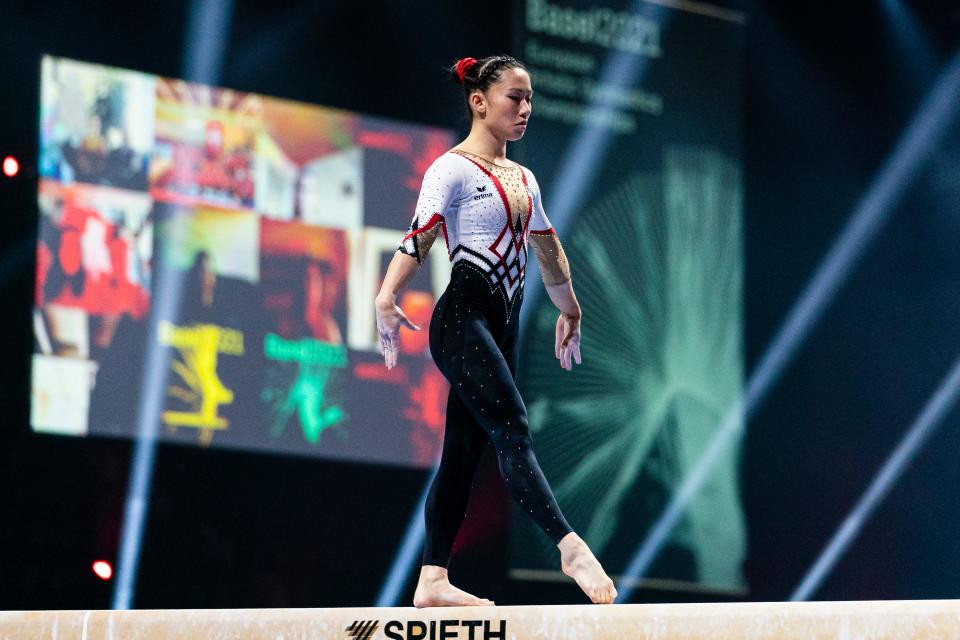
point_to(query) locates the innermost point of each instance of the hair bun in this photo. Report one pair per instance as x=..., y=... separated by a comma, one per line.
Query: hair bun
x=463, y=65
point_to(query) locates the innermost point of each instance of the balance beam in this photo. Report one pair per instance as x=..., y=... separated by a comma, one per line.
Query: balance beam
x=893, y=620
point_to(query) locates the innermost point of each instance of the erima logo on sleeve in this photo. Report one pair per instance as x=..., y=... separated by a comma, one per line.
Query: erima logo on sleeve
x=432, y=630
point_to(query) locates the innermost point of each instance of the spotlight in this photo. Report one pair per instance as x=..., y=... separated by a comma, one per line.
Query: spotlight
x=10, y=166
x=207, y=29
x=103, y=569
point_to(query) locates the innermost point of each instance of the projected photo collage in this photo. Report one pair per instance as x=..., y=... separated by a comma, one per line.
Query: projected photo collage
x=220, y=252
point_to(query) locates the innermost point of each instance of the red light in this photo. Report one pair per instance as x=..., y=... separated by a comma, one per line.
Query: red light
x=10, y=166
x=103, y=569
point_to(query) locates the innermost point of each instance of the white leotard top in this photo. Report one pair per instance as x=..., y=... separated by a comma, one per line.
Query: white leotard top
x=487, y=213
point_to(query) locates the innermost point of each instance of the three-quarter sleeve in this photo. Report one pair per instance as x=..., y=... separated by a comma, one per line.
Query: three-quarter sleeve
x=554, y=268
x=441, y=184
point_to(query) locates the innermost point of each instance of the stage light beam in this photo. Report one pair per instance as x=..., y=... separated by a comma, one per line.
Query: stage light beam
x=942, y=400
x=404, y=561
x=913, y=46
x=207, y=33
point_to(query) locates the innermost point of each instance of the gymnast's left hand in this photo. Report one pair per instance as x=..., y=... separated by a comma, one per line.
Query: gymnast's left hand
x=567, y=344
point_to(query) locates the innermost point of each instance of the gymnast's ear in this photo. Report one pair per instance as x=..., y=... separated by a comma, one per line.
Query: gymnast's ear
x=478, y=103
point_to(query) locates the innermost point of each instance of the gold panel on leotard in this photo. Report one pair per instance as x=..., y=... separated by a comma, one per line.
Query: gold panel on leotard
x=425, y=240
x=511, y=180
x=554, y=268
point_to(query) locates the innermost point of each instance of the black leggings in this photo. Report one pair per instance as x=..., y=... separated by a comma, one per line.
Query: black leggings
x=473, y=344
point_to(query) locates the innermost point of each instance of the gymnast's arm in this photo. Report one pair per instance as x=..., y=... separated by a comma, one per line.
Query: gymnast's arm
x=400, y=271
x=436, y=193
x=564, y=298
x=555, y=271
x=389, y=316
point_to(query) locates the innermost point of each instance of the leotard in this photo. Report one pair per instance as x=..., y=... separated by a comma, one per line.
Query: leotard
x=488, y=215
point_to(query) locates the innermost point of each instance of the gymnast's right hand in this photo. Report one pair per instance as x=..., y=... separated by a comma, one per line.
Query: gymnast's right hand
x=389, y=319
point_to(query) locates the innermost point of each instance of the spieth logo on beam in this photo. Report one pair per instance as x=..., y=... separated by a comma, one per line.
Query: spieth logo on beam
x=432, y=630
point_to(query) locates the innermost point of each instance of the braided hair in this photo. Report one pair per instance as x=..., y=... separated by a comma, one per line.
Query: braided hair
x=479, y=75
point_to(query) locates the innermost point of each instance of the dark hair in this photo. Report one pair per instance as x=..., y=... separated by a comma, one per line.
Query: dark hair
x=481, y=74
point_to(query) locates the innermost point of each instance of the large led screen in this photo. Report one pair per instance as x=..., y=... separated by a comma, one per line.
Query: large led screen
x=240, y=241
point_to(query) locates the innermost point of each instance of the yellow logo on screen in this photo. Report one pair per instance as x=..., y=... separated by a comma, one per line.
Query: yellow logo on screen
x=201, y=388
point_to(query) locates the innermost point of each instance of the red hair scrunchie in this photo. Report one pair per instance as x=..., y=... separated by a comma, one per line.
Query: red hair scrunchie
x=463, y=66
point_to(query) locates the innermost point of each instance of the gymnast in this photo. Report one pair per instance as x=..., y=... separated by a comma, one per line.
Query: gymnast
x=488, y=209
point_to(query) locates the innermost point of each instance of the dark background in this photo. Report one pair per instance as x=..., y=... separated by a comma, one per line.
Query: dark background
x=828, y=90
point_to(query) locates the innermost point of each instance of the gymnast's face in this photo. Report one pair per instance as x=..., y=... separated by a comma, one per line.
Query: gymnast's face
x=508, y=104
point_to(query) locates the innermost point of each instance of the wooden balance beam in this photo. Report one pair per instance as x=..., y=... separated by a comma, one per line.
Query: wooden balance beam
x=893, y=620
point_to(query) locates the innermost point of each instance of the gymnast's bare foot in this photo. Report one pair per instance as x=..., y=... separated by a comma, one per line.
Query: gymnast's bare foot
x=434, y=590
x=578, y=562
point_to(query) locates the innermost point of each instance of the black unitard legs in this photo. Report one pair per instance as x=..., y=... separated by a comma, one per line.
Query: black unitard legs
x=446, y=506
x=473, y=344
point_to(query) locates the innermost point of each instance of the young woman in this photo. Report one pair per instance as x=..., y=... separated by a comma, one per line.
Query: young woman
x=488, y=209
